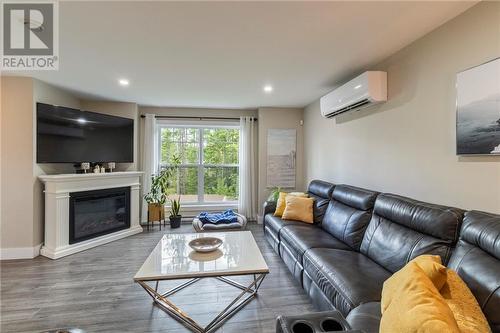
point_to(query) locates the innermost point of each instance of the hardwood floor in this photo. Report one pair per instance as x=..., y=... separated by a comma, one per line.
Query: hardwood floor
x=94, y=290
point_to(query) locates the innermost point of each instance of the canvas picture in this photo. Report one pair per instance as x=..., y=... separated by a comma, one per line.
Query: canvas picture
x=281, y=155
x=478, y=110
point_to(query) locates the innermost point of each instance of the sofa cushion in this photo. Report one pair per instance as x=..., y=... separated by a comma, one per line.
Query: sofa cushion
x=365, y=317
x=321, y=192
x=347, y=278
x=402, y=229
x=274, y=224
x=476, y=260
x=349, y=213
x=298, y=239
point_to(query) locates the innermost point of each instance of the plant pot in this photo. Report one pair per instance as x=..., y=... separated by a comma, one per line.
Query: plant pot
x=156, y=212
x=175, y=221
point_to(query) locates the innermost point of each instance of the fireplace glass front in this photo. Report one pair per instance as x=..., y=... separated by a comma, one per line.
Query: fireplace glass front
x=98, y=212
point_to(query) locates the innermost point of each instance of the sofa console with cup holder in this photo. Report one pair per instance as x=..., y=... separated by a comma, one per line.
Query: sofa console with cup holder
x=360, y=237
x=326, y=321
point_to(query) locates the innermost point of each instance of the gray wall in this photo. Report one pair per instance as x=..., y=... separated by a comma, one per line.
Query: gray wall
x=407, y=146
x=17, y=178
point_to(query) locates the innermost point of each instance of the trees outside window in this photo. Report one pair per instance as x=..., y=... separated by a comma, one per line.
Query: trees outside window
x=208, y=172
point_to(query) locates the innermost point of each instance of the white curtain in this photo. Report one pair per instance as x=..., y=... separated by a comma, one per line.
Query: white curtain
x=149, y=158
x=247, y=204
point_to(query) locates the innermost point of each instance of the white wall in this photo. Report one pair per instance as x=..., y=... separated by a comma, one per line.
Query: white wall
x=407, y=146
x=282, y=118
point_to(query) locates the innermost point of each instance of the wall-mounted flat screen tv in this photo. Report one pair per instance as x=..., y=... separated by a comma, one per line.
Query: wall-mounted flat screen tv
x=66, y=135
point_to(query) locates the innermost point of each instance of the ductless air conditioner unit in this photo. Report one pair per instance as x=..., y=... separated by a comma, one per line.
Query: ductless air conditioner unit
x=368, y=89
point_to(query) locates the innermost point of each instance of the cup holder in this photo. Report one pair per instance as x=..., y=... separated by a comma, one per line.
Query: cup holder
x=331, y=325
x=302, y=327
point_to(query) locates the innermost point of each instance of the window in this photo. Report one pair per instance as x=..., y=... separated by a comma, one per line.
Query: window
x=208, y=172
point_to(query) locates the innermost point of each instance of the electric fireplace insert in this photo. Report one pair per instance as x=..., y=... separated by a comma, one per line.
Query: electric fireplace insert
x=98, y=212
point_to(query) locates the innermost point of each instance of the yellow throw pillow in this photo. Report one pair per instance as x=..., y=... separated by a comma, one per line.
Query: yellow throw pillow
x=463, y=304
x=433, y=268
x=417, y=305
x=281, y=203
x=298, y=209
x=430, y=265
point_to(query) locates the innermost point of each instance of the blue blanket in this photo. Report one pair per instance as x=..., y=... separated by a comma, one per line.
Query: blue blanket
x=218, y=218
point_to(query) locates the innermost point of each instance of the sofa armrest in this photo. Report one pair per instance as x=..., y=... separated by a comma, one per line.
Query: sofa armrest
x=269, y=207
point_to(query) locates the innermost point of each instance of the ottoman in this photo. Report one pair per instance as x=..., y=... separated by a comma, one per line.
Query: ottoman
x=240, y=225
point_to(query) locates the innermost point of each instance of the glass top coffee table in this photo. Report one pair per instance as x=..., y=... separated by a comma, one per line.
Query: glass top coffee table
x=173, y=259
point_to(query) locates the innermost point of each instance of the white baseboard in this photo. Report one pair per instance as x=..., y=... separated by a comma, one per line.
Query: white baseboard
x=74, y=248
x=20, y=252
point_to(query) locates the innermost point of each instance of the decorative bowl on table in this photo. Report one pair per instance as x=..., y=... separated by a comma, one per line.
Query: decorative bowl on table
x=205, y=244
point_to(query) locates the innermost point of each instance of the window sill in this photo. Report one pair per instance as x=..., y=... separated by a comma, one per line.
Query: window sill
x=207, y=205
x=192, y=210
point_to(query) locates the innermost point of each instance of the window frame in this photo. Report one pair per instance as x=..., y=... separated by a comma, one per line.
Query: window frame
x=200, y=125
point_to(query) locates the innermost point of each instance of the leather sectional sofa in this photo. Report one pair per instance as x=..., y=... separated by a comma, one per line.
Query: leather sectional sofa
x=360, y=238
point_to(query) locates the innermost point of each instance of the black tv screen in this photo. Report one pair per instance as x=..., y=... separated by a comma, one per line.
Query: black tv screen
x=66, y=135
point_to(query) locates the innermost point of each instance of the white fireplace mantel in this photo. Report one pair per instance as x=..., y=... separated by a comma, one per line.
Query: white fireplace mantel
x=57, y=195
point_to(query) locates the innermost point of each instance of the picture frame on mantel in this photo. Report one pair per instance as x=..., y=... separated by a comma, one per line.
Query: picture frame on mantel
x=478, y=110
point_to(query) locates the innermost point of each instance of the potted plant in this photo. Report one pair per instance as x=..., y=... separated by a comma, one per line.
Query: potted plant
x=175, y=217
x=156, y=197
x=274, y=194
x=158, y=194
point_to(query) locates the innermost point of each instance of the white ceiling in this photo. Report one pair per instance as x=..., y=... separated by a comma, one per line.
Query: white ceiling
x=221, y=54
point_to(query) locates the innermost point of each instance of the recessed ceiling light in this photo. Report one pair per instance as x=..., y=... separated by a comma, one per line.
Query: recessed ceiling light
x=123, y=82
x=268, y=88
x=81, y=120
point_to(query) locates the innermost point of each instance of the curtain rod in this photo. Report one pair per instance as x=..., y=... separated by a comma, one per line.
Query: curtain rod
x=199, y=118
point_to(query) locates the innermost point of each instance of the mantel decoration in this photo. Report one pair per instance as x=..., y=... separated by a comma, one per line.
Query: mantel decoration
x=159, y=194
x=85, y=166
x=478, y=110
